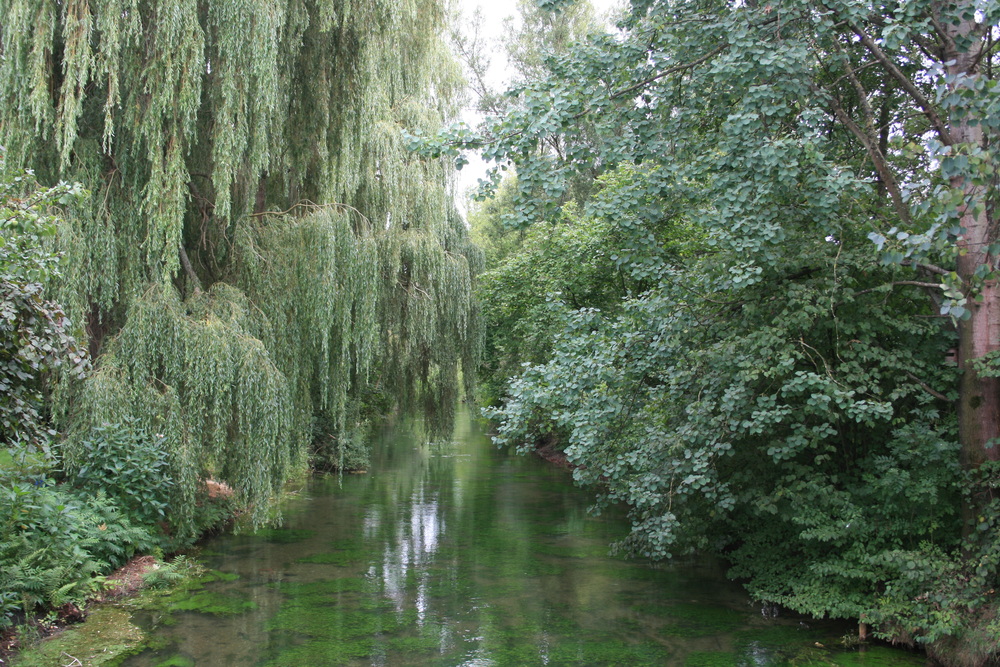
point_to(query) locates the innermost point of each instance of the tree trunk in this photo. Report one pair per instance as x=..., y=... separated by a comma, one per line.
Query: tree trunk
x=979, y=397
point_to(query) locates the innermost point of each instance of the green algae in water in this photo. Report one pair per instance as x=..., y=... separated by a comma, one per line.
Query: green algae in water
x=324, y=589
x=345, y=609
x=610, y=652
x=711, y=659
x=344, y=557
x=326, y=652
x=192, y=596
x=411, y=645
x=776, y=634
x=284, y=535
x=878, y=656
x=689, y=620
x=214, y=575
x=305, y=634
x=334, y=622
x=208, y=602
x=177, y=661
x=598, y=649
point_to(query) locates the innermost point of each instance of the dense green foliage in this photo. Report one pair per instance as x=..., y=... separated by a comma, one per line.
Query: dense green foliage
x=130, y=466
x=773, y=386
x=56, y=542
x=259, y=254
x=63, y=527
x=546, y=269
x=35, y=336
x=257, y=266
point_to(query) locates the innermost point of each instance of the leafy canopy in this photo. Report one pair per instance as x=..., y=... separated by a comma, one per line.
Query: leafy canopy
x=773, y=386
x=259, y=253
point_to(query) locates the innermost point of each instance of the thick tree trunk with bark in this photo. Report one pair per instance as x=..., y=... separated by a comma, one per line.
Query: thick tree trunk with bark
x=979, y=397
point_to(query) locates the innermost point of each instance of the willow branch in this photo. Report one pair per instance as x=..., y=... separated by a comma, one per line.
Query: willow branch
x=189, y=270
x=305, y=203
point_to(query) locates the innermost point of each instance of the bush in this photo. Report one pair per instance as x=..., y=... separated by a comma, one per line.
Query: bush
x=55, y=542
x=130, y=465
x=36, y=337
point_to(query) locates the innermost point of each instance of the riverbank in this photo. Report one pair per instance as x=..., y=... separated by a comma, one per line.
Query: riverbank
x=113, y=631
x=450, y=551
x=549, y=449
x=19, y=642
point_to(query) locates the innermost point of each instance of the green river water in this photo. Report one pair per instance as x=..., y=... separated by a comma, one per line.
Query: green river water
x=455, y=553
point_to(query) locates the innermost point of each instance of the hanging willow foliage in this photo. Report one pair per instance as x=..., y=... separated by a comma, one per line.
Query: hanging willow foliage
x=260, y=249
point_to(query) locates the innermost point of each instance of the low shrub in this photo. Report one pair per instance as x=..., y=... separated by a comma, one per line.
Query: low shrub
x=129, y=464
x=56, y=542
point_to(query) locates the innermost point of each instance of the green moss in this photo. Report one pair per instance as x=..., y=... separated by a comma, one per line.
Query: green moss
x=107, y=638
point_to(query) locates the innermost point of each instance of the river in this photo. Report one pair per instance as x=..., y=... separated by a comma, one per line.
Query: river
x=455, y=553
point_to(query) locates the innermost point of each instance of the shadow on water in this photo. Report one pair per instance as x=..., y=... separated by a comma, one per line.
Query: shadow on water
x=457, y=554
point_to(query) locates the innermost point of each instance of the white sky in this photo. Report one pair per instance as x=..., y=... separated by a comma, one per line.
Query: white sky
x=499, y=76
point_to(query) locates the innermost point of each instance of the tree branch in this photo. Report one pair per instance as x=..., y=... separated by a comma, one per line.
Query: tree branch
x=929, y=268
x=907, y=85
x=189, y=270
x=305, y=203
x=874, y=154
x=916, y=283
x=670, y=70
x=923, y=385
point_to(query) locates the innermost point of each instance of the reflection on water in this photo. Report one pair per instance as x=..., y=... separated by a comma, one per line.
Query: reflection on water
x=456, y=554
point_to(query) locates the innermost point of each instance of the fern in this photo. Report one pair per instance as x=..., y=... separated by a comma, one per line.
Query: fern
x=55, y=543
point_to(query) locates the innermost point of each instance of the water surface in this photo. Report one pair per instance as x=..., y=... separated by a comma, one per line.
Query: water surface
x=457, y=554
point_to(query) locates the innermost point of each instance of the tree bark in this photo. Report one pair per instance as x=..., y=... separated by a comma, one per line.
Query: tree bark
x=979, y=397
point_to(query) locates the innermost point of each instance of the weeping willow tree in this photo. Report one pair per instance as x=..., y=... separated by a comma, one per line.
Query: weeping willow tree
x=259, y=250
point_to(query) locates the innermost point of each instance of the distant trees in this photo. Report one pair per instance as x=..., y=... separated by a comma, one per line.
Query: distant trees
x=803, y=201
